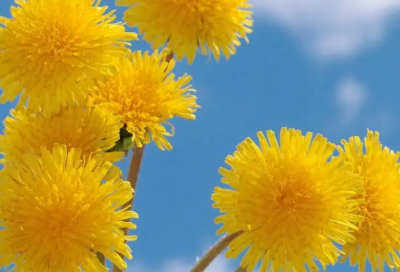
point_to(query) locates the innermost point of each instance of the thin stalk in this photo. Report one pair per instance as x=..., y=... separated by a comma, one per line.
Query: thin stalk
x=133, y=175
x=213, y=252
x=240, y=269
x=134, y=169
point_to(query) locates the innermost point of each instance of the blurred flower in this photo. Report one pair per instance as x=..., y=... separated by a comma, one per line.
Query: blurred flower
x=293, y=203
x=378, y=238
x=145, y=95
x=56, y=213
x=51, y=49
x=91, y=130
x=213, y=26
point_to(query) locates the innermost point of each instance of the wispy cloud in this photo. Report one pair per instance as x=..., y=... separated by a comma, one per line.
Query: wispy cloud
x=350, y=98
x=220, y=264
x=332, y=28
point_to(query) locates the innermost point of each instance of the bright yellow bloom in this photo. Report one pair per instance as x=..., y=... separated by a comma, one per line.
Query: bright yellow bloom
x=378, y=238
x=291, y=202
x=145, y=95
x=91, y=130
x=51, y=49
x=186, y=26
x=56, y=213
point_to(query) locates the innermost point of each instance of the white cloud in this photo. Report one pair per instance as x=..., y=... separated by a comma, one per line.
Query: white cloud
x=220, y=264
x=350, y=98
x=332, y=28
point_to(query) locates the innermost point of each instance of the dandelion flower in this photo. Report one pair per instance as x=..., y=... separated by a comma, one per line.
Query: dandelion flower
x=186, y=26
x=378, y=237
x=91, y=130
x=50, y=50
x=145, y=95
x=291, y=203
x=56, y=214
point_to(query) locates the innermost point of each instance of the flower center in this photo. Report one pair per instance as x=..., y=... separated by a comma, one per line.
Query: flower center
x=55, y=41
x=293, y=193
x=289, y=197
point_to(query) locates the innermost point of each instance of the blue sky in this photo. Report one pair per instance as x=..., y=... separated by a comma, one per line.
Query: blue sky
x=325, y=66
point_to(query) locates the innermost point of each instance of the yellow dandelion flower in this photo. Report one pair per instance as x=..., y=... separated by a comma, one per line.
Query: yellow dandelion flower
x=91, y=130
x=145, y=95
x=378, y=238
x=187, y=26
x=56, y=214
x=51, y=49
x=292, y=203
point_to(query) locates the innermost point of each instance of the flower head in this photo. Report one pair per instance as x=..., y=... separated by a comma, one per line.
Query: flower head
x=291, y=202
x=56, y=213
x=145, y=95
x=378, y=237
x=212, y=26
x=50, y=50
x=91, y=130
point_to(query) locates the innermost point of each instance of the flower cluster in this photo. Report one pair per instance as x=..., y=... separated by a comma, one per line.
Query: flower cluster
x=297, y=207
x=62, y=200
x=83, y=99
